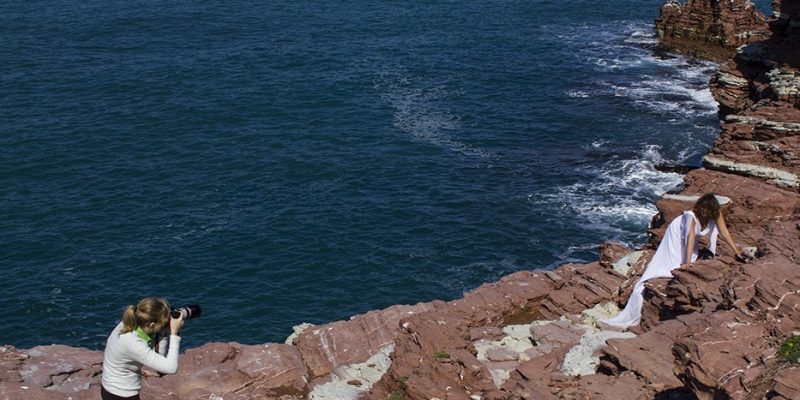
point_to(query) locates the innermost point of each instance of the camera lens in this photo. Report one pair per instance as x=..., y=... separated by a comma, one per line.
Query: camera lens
x=190, y=311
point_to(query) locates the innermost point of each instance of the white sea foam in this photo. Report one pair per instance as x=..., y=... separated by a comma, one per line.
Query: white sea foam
x=417, y=112
x=619, y=195
x=665, y=84
x=698, y=73
x=577, y=93
x=642, y=37
x=668, y=95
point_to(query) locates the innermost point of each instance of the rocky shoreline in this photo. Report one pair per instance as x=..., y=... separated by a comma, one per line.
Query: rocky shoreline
x=710, y=332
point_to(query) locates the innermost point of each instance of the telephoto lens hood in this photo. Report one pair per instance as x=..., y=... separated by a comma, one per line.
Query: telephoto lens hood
x=190, y=311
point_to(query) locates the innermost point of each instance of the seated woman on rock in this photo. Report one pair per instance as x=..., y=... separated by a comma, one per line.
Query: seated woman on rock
x=133, y=344
x=679, y=246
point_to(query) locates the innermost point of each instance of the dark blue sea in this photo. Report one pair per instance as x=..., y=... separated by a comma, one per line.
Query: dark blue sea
x=289, y=162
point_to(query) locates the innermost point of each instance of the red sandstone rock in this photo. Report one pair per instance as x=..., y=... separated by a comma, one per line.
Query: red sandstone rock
x=649, y=355
x=447, y=329
x=587, y=286
x=485, y=332
x=776, y=291
x=626, y=386
x=611, y=252
x=710, y=29
x=49, y=372
x=714, y=360
x=759, y=96
x=501, y=355
x=556, y=334
x=233, y=371
x=786, y=385
x=344, y=342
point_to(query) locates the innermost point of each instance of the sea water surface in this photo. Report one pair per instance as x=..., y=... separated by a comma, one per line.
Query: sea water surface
x=289, y=162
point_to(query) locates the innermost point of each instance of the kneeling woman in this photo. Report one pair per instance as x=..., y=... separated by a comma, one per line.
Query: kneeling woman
x=679, y=247
x=133, y=343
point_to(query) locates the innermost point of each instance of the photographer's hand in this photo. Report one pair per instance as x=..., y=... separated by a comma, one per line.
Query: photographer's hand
x=175, y=325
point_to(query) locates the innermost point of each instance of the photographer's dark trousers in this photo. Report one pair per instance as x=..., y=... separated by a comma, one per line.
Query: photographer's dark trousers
x=108, y=396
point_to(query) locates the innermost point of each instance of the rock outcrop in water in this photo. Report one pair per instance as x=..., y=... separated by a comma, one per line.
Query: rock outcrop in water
x=710, y=29
x=710, y=332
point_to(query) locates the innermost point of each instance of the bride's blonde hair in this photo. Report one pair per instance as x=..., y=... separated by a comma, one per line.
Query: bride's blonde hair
x=150, y=309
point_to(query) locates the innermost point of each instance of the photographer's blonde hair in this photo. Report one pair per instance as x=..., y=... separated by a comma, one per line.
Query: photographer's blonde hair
x=150, y=309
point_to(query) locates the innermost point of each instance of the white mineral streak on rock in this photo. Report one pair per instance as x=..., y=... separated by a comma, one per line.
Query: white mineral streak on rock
x=580, y=360
x=624, y=264
x=367, y=373
x=601, y=311
x=747, y=34
x=782, y=178
x=28, y=371
x=726, y=79
x=517, y=339
x=774, y=125
x=329, y=350
x=298, y=329
x=784, y=82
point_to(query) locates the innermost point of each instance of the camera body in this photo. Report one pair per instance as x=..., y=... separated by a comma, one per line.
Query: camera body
x=190, y=311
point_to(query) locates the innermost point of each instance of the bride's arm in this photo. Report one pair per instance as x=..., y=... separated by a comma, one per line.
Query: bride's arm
x=689, y=243
x=723, y=230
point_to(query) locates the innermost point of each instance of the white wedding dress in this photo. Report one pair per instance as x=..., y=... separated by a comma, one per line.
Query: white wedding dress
x=671, y=254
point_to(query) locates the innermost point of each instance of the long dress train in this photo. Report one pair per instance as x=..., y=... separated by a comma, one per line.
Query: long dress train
x=671, y=254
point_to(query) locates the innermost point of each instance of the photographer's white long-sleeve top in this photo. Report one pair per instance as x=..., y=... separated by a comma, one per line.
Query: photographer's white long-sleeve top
x=124, y=356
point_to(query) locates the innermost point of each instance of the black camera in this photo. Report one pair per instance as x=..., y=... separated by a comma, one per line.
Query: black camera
x=190, y=311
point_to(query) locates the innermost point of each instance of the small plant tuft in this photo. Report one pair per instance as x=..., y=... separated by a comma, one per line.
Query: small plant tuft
x=790, y=350
x=402, y=382
x=399, y=394
x=442, y=355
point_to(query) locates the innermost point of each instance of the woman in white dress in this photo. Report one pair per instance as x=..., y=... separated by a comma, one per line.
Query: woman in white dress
x=679, y=246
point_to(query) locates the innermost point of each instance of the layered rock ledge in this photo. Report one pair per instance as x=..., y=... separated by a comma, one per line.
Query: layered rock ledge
x=710, y=332
x=710, y=29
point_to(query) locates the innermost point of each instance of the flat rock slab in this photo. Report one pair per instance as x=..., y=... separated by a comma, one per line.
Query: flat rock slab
x=649, y=355
x=786, y=384
x=49, y=372
x=717, y=358
x=232, y=371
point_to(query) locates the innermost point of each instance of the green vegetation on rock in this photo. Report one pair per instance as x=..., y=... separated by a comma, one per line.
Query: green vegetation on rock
x=790, y=350
x=397, y=395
